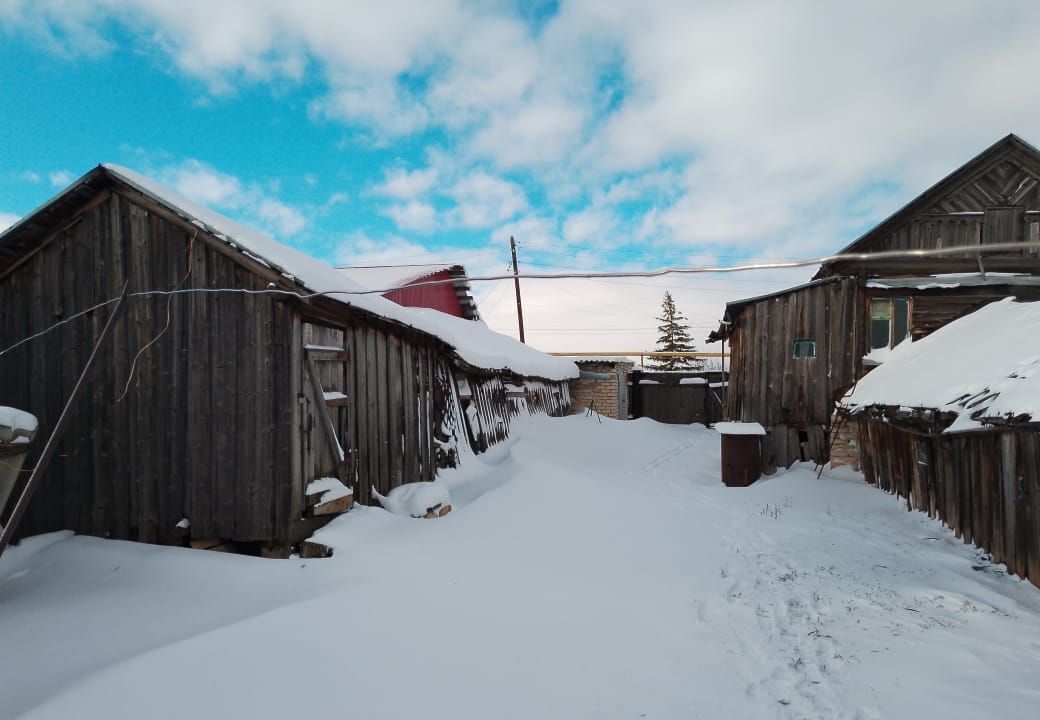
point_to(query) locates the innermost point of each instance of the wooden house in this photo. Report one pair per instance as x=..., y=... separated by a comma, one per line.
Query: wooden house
x=795, y=352
x=952, y=424
x=438, y=287
x=239, y=372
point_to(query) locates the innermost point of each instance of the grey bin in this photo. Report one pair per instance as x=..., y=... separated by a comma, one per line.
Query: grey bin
x=14, y=446
x=741, y=452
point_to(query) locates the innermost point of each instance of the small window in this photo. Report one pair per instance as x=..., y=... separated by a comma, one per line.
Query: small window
x=889, y=322
x=803, y=349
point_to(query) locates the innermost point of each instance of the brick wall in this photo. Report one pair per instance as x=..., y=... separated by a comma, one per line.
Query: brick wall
x=845, y=442
x=602, y=394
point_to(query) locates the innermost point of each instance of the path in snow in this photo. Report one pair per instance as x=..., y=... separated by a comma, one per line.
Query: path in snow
x=589, y=571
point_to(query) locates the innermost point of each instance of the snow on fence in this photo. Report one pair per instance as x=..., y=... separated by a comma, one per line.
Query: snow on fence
x=985, y=485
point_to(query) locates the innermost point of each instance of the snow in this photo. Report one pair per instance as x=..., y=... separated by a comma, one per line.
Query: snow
x=488, y=349
x=386, y=277
x=739, y=428
x=415, y=499
x=478, y=345
x=15, y=423
x=323, y=348
x=649, y=382
x=184, y=523
x=983, y=365
x=330, y=488
x=693, y=381
x=877, y=355
x=332, y=395
x=953, y=280
x=589, y=570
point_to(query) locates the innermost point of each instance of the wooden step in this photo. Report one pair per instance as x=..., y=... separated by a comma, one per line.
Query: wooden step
x=335, y=398
x=328, y=496
x=327, y=352
x=310, y=549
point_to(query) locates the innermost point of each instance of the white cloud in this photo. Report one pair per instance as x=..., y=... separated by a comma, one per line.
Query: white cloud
x=483, y=200
x=726, y=128
x=413, y=215
x=60, y=178
x=250, y=202
x=407, y=184
x=7, y=220
x=589, y=225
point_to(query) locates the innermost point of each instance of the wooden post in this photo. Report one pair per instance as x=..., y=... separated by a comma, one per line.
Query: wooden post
x=59, y=428
x=516, y=283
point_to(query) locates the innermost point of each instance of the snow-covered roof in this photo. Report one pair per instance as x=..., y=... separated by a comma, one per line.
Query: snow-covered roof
x=385, y=277
x=471, y=344
x=985, y=365
x=953, y=280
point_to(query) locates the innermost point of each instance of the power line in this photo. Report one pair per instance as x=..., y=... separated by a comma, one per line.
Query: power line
x=977, y=250
x=862, y=257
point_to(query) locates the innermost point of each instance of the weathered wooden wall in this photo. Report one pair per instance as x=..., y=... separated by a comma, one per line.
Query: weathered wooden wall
x=996, y=202
x=489, y=402
x=221, y=424
x=398, y=391
x=793, y=398
x=203, y=432
x=984, y=485
x=933, y=308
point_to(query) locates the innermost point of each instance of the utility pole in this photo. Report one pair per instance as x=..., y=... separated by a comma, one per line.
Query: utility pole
x=516, y=282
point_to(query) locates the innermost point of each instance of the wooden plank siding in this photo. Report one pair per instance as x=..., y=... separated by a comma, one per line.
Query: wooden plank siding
x=220, y=423
x=789, y=395
x=984, y=485
x=187, y=440
x=995, y=198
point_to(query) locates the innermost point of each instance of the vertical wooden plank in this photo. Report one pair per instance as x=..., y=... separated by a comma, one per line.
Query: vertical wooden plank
x=243, y=376
x=124, y=433
x=410, y=415
x=395, y=409
x=200, y=410
x=372, y=411
x=294, y=414
x=382, y=410
x=1009, y=482
x=1031, y=478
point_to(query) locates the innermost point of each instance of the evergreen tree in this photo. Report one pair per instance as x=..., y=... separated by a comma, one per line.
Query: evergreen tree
x=674, y=336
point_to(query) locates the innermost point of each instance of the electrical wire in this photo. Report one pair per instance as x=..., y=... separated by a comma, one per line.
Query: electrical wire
x=975, y=250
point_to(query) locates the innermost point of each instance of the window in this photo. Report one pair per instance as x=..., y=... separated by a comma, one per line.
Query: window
x=803, y=349
x=889, y=322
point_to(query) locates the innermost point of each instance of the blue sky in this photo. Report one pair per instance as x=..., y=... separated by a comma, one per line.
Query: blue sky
x=631, y=134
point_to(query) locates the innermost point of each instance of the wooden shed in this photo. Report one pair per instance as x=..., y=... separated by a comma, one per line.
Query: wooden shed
x=229, y=383
x=952, y=424
x=796, y=352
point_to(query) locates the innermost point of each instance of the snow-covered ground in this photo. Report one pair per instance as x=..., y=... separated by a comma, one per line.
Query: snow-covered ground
x=590, y=570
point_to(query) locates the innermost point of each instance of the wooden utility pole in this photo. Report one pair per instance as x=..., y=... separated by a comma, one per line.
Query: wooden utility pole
x=516, y=283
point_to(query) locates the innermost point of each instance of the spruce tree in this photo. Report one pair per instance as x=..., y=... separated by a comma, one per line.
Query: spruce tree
x=674, y=336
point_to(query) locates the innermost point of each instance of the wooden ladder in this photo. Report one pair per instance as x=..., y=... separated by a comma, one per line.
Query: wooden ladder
x=326, y=400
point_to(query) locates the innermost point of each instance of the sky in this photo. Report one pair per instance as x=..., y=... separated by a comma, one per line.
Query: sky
x=603, y=136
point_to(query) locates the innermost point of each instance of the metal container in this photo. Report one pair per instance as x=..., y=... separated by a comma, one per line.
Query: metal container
x=741, y=452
